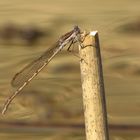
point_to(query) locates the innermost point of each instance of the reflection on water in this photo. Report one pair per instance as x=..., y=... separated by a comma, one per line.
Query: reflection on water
x=61, y=133
x=55, y=95
x=131, y=28
x=33, y=133
x=12, y=34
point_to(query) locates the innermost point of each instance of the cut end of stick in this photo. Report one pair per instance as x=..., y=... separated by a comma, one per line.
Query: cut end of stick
x=93, y=33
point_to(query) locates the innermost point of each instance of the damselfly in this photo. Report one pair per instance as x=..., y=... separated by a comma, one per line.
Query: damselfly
x=23, y=78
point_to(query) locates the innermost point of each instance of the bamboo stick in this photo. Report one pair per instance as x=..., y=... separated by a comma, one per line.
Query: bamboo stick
x=93, y=89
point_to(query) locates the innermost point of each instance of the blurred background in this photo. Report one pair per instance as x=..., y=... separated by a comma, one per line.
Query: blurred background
x=50, y=107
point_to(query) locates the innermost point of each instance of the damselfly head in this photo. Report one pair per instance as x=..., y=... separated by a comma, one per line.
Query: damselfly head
x=77, y=29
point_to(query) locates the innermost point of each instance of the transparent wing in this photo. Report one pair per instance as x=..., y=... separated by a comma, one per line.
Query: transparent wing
x=34, y=68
